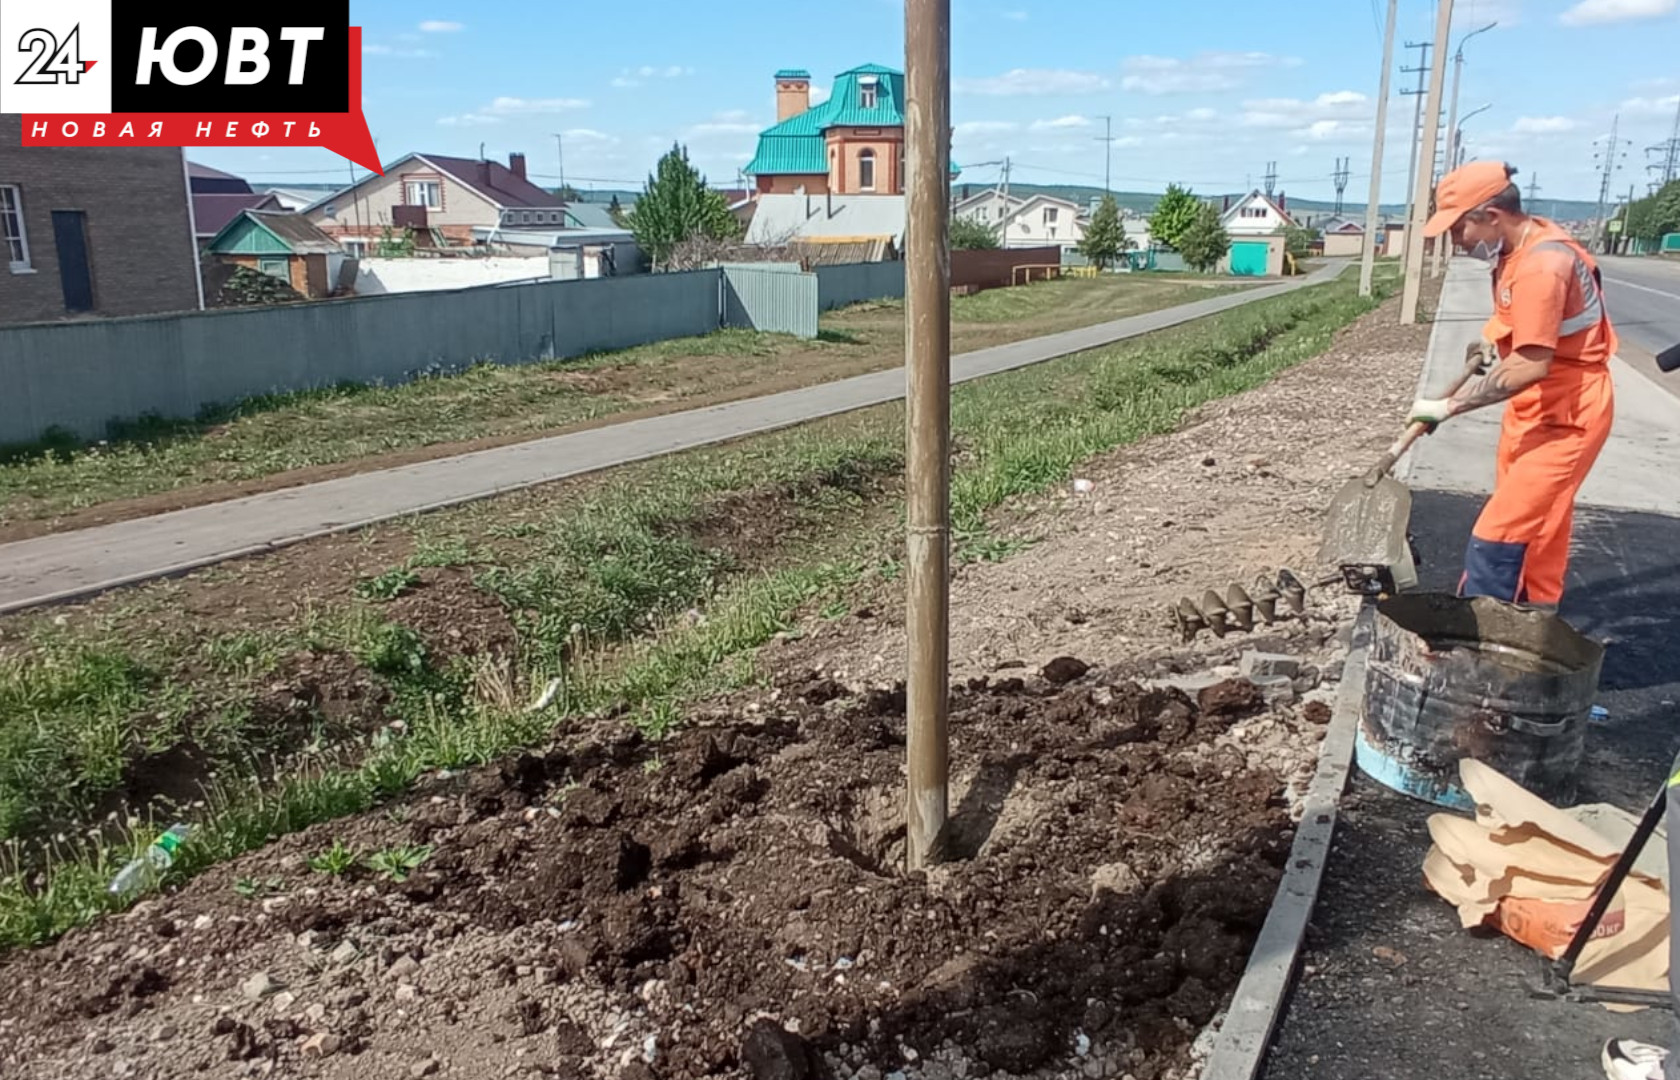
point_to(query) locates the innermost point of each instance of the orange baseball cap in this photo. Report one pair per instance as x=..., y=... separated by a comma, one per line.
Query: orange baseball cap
x=1464, y=189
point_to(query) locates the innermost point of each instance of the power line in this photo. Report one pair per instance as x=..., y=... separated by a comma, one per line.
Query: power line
x=1668, y=169
x=1271, y=178
x=1107, y=138
x=1612, y=155
x=1340, y=179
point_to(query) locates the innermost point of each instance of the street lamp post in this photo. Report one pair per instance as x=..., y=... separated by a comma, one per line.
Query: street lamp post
x=1458, y=136
x=1447, y=159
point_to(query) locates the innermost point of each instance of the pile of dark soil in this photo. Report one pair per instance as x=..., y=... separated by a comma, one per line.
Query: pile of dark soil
x=728, y=902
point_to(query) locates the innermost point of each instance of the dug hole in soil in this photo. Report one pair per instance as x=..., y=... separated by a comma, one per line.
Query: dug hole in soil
x=730, y=902
x=727, y=902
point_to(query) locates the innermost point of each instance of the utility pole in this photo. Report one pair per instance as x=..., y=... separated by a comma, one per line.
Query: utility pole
x=1420, y=189
x=1107, y=138
x=1368, y=257
x=1008, y=211
x=1417, y=126
x=927, y=364
x=1611, y=155
x=1452, y=148
x=560, y=152
x=1533, y=194
x=1667, y=167
x=1271, y=177
x=1340, y=179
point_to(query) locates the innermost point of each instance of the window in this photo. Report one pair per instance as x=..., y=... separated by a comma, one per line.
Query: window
x=525, y=217
x=1000, y=212
x=275, y=266
x=354, y=248
x=427, y=193
x=1254, y=211
x=868, y=93
x=1050, y=216
x=866, y=170
x=11, y=227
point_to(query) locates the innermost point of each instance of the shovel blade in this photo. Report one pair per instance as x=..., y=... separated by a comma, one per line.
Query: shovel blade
x=1366, y=524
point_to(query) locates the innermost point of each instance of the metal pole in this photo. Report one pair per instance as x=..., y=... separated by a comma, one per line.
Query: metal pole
x=1420, y=193
x=1452, y=152
x=1422, y=69
x=927, y=364
x=1368, y=258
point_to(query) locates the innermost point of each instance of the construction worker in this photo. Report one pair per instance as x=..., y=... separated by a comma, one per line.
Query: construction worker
x=1554, y=341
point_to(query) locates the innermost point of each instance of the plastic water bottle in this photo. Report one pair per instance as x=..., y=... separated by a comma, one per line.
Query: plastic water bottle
x=151, y=863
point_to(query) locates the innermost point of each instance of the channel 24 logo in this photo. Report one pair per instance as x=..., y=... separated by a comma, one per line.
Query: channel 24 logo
x=114, y=72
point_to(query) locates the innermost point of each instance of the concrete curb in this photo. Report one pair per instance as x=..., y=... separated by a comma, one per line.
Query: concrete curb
x=1239, y=1049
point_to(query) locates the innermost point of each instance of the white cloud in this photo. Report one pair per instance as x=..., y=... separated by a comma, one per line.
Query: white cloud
x=440, y=26
x=1033, y=82
x=1588, y=12
x=732, y=116
x=588, y=135
x=971, y=128
x=372, y=49
x=1543, y=125
x=1061, y=123
x=511, y=105
x=623, y=82
x=1205, y=72
x=1343, y=105
x=1651, y=106
x=819, y=94
x=469, y=120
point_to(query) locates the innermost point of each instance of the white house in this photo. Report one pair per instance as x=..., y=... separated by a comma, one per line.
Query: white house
x=1255, y=214
x=1033, y=221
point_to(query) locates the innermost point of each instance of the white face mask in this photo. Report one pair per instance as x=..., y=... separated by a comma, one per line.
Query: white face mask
x=1487, y=252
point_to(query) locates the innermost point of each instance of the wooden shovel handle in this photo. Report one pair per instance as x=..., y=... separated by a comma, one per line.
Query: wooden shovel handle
x=1414, y=432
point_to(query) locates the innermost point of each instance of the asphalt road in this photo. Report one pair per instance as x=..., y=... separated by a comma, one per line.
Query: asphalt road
x=1644, y=299
x=1438, y=1002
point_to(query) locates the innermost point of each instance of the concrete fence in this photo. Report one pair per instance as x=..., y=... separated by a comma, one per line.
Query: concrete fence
x=80, y=376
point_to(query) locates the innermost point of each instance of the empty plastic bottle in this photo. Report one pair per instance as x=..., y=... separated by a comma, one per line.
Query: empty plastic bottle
x=151, y=863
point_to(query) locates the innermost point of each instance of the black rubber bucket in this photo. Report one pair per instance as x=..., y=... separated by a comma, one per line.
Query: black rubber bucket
x=1449, y=678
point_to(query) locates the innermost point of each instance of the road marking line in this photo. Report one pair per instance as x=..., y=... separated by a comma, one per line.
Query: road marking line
x=1644, y=288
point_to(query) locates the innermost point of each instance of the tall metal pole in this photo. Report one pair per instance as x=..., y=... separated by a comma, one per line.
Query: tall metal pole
x=927, y=364
x=1107, y=139
x=1452, y=133
x=1420, y=193
x=1422, y=69
x=1367, y=259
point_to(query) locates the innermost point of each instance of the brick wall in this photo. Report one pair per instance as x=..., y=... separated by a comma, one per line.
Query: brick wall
x=139, y=235
x=995, y=269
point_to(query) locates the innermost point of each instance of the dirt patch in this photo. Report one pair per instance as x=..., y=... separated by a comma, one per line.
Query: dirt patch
x=730, y=902
x=454, y=616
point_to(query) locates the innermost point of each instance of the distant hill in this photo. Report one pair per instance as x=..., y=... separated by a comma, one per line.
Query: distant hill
x=1142, y=202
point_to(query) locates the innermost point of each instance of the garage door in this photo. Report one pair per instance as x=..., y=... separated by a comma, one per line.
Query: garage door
x=1248, y=258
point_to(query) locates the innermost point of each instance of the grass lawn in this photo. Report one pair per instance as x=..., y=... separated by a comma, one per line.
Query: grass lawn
x=276, y=441
x=302, y=698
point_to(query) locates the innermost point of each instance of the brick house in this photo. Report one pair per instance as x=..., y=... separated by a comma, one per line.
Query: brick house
x=94, y=231
x=851, y=144
x=442, y=198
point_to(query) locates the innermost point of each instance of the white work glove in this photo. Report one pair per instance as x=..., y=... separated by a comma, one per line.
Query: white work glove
x=1429, y=411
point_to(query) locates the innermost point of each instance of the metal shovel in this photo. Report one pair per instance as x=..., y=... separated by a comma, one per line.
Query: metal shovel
x=1365, y=528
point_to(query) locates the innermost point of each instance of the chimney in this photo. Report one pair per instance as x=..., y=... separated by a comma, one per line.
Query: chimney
x=1227, y=205
x=1283, y=202
x=516, y=165
x=793, y=93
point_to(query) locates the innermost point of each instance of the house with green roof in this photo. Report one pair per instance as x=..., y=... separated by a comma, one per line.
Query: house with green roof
x=851, y=144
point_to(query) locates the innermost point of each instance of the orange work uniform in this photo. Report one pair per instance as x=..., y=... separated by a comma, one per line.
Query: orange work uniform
x=1546, y=293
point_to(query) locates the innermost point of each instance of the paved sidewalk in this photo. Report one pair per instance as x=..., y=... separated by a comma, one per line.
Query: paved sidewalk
x=1459, y=1005
x=68, y=565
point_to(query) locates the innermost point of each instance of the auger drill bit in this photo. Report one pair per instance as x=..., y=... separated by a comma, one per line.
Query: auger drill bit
x=1215, y=612
x=1294, y=593
x=1265, y=600
x=1189, y=619
x=1241, y=607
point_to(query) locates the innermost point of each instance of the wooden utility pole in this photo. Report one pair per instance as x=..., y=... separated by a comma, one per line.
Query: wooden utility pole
x=927, y=365
x=1420, y=193
x=1373, y=209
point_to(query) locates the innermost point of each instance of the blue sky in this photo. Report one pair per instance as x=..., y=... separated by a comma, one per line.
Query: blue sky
x=1201, y=92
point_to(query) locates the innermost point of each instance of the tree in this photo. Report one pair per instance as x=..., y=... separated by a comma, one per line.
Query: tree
x=677, y=206
x=967, y=234
x=1174, y=213
x=615, y=210
x=1205, y=241
x=1298, y=240
x=1105, y=236
x=568, y=193
x=1651, y=218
